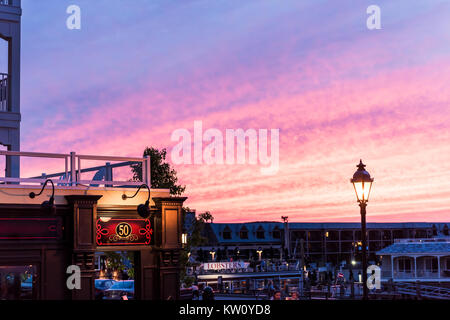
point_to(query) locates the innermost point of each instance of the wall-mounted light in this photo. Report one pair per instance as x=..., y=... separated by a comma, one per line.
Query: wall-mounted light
x=46, y=205
x=142, y=209
x=184, y=239
x=105, y=219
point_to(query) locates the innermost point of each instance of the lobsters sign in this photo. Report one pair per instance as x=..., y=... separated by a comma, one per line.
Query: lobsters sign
x=225, y=265
x=120, y=232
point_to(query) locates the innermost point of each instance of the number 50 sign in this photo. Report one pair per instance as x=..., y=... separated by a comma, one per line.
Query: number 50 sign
x=120, y=232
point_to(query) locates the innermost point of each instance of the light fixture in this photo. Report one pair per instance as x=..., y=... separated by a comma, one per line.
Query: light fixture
x=362, y=182
x=213, y=254
x=259, y=251
x=142, y=209
x=46, y=205
x=105, y=219
x=184, y=239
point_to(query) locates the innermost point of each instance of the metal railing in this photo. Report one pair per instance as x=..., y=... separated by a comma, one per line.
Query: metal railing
x=419, y=290
x=423, y=240
x=404, y=275
x=71, y=176
x=11, y=3
x=4, y=91
x=430, y=274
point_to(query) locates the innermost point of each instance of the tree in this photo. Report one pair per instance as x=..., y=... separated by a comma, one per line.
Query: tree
x=121, y=261
x=206, y=216
x=195, y=240
x=162, y=175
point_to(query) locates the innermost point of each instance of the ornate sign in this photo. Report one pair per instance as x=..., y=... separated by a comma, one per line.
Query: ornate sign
x=120, y=232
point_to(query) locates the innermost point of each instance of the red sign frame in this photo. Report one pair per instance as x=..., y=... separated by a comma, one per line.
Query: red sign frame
x=123, y=232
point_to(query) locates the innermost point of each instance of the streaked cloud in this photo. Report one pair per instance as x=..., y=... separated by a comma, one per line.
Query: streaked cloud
x=337, y=91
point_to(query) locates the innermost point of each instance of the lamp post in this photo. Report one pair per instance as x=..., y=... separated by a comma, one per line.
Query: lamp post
x=259, y=251
x=362, y=183
x=213, y=254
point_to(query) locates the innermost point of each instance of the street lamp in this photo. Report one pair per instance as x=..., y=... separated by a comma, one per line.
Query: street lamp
x=362, y=183
x=213, y=253
x=259, y=251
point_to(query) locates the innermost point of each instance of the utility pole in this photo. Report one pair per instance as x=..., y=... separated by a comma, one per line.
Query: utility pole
x=302, y=266
x=287, y=244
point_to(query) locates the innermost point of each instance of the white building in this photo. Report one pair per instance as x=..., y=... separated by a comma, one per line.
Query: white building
x=410, y=260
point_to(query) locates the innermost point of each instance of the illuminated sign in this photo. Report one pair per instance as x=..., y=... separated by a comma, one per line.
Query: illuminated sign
x=224, y=265
x=120, y=232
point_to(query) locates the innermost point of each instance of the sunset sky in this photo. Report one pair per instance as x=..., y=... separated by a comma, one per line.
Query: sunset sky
x=140, y=69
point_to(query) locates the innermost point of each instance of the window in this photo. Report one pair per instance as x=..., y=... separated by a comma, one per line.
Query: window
x=276, y=234
x=332, y=235
x=260, y=233
x=398, y=234
x=445, y=230
x=16, y=282
x=387, y=235
x=346, y=246
x=374, y=235
x=430, y=264
x=421, y=233
x=434, y=230
x=298, y=235
x=243, y=234
x=226, y=233
x=347, y=235
x=404, y=265
x=316, y=236
x=333, y=247
x=375, y=245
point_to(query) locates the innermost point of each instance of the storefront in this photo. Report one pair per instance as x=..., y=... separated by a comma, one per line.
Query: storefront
x=89, y=226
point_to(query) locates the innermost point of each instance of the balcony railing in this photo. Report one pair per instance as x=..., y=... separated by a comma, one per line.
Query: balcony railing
x=427, y=274
x=71, y=176
x=421, y=274
x=423, y=240
x=403, y=275
x=11, y=3
x=4, y=91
